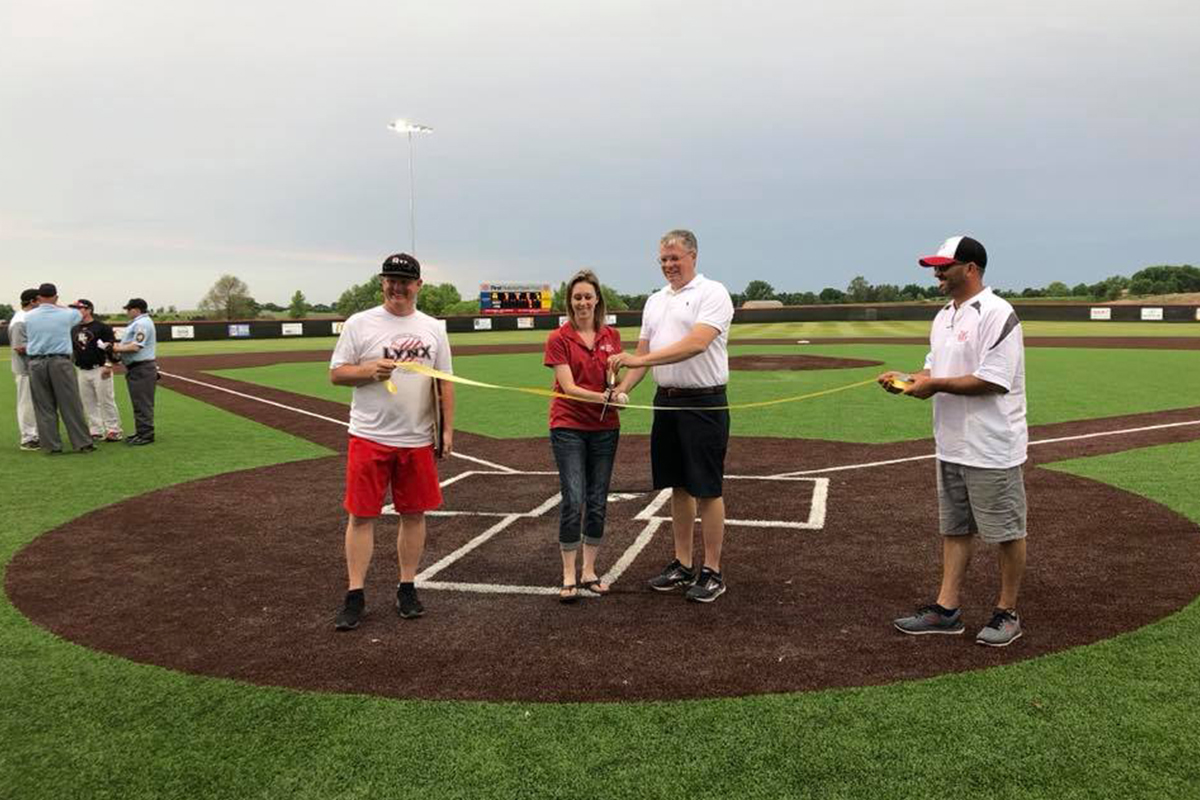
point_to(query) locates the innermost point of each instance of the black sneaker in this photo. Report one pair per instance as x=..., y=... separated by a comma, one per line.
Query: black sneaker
x=90, y=448
x=708, y=587
x=138, y=441
x=407, y=604
x=351, y=613
x=673, y=576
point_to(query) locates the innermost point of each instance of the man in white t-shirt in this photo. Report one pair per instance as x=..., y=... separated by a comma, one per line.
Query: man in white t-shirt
x=975, y=373
x=391, y=429
x=684, y=339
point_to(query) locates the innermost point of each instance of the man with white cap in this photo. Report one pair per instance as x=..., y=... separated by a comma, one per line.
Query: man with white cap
x=975, y=373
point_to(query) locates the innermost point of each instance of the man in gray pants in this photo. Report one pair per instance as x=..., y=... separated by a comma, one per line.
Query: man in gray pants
x=26, y=420
x=52, y=380
x=141, y=371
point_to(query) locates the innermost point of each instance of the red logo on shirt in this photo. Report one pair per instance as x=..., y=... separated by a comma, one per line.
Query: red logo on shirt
x=962, y=336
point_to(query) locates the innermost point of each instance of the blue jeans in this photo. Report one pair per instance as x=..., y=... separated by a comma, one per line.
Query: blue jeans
x=585, y=463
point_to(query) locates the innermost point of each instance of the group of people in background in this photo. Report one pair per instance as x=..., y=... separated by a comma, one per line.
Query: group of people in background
x=63, y=361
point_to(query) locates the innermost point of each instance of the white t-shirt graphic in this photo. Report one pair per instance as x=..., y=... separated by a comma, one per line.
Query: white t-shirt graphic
x=403, y=419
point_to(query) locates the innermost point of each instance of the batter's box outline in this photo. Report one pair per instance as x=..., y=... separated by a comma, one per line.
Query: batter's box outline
x=426, y=577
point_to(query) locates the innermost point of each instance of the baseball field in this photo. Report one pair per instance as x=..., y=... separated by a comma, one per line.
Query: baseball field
x=166, y=625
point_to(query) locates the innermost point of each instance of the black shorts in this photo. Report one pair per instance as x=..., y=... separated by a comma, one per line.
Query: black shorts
x=687, y=448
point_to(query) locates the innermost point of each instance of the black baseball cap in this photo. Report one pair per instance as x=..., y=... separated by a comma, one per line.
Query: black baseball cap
x=28, y=296
x=83, y=304
x=47, y=290
x=401, y=265
x=957, y=250
x=136, y=302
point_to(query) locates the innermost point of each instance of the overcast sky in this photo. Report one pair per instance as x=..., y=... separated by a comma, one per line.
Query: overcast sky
x=148, y=147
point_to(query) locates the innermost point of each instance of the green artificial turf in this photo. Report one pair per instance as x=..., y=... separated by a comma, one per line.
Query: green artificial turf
x=1063, y=384
x=1117, y=719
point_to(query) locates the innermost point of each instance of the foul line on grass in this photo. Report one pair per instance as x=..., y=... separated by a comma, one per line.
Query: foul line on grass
x=343, y=423
x=928, y=456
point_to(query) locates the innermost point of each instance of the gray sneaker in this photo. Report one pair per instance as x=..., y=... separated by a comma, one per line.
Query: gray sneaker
x=1003, y=630
x=708, y=587
x=929, y=619
x=673, y=576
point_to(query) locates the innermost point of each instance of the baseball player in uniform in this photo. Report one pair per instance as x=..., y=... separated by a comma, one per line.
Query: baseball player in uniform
x=975, y=373
x=93, y=366
x=26, y=420
x=391, y=430
x=141, y=371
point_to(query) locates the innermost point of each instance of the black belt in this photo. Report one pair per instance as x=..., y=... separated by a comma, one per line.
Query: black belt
x=52, y=355
x=701, y=391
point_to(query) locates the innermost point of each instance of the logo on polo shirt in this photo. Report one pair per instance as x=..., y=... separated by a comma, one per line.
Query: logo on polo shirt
x=962, y=335
x=410, y=348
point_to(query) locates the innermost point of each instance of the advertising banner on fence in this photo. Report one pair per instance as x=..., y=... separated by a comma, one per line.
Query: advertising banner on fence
x=239, y=330
x=336, y=327
x=483, y=324
x=1152, y=314
x=524, y=323
x=183, y=332
x=292, y=329
x=1101, y=313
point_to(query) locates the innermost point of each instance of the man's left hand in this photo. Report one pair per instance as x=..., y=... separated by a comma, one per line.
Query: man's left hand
x=447, y=443
x=618, y=360
x=923, y=387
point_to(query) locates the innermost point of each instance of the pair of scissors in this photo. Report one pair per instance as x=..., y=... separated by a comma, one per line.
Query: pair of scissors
x=609, y=379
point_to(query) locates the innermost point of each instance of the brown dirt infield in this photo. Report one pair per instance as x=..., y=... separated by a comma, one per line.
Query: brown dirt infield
x=239, y=575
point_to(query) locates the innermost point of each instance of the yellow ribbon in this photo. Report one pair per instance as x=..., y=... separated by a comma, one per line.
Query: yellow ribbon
x=421, y=369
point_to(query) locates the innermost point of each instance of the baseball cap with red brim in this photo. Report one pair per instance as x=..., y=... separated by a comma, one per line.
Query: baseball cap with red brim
x=957, y=250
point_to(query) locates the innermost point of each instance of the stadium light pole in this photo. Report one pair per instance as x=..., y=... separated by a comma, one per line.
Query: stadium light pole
x=408, y=129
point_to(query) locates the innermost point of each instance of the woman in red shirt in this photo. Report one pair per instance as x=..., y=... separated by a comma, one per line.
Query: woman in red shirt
x=583, y=436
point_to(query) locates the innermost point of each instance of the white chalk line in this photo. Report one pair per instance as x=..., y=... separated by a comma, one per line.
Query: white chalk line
x=343, y=423
x=928, y=456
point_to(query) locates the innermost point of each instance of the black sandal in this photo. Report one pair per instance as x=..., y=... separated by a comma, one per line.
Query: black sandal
x=592, y=585
x=567, y=599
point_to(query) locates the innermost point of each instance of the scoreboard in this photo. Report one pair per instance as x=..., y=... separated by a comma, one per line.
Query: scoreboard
x=515, y=298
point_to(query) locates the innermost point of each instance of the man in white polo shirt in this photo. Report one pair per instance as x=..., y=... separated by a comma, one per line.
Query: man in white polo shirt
x=684, y=338
x=975, y=373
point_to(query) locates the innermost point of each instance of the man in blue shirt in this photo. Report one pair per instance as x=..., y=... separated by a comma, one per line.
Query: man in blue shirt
x=141, y=372
x=52, y=379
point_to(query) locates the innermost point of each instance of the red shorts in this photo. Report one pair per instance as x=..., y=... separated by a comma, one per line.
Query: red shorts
x=370, y=466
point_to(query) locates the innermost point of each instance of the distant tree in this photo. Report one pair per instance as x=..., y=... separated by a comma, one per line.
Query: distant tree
x=6, y=311
x=831, y=295
x=859, y=290
x=558, y=301
x=321, y=308
x=635, y=301
x=463, y=308
x=758, y=290
x=1081, y=290
x=1057, y=289
x=885, y=293
x=912, y=291
x=612, y=300
x=299, y=306
x=360, y=297
x=1139, y=287
x=738, y=299
x=274, y=308
x=796, y=298
x=1185, y=278
x=1031, y=291
x=435, y=297
x=229, y=298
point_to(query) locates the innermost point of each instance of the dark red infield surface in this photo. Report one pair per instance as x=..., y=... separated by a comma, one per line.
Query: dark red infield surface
x=240, y=575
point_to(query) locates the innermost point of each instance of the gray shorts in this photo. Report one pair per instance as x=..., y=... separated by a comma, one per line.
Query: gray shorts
x=990, y=502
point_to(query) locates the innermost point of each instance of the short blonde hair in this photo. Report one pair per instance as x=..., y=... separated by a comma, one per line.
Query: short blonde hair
x=599, y=312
